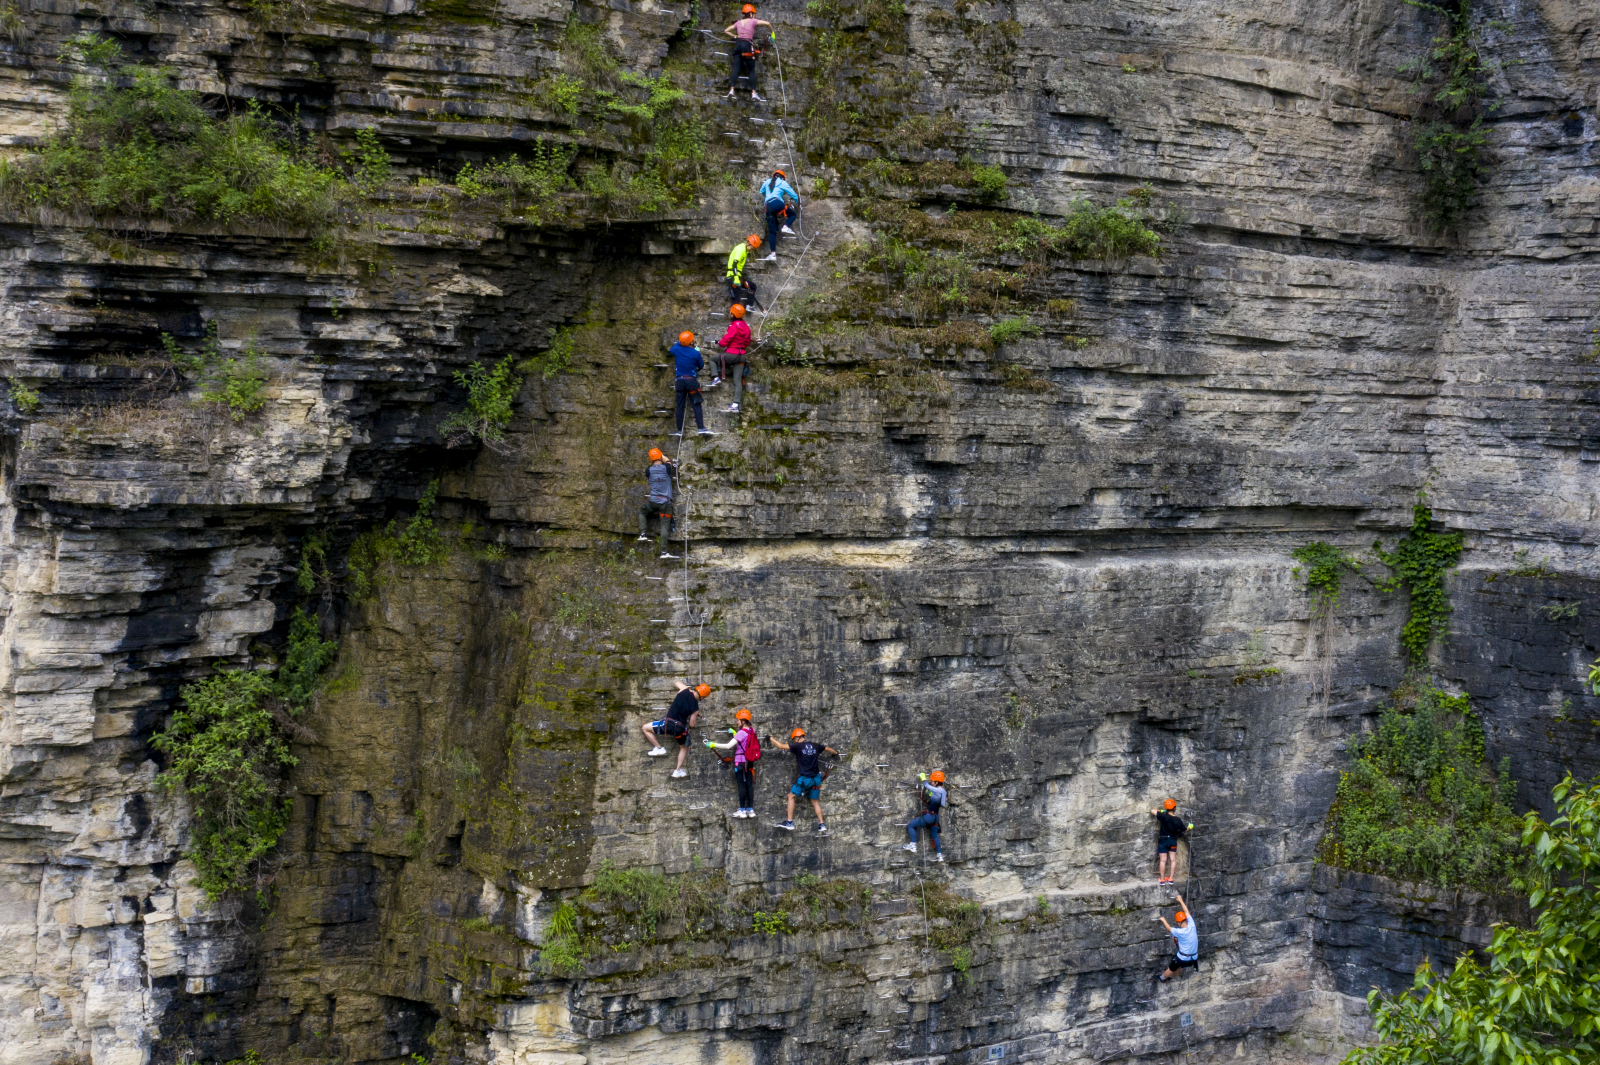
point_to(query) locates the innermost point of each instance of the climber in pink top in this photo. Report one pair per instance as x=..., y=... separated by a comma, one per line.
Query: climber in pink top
x=735, y=344
x=745, y=50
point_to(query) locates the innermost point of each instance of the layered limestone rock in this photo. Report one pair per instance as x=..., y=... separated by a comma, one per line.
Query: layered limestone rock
x=1075, y=598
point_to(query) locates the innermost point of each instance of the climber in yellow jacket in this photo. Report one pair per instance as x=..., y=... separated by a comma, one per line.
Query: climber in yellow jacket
x=740, y=288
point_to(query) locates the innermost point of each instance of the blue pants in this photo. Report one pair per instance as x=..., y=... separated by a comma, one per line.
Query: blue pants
x=775, y=218
x=688, y=388
x=929, y=822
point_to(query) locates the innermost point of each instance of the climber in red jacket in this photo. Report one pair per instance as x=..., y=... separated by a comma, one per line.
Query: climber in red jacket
x=735, y=344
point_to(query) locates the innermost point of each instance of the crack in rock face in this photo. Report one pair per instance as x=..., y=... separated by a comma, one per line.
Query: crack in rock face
x=1025, y=516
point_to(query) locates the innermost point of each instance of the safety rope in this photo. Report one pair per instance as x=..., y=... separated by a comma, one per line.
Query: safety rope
x=767, y=310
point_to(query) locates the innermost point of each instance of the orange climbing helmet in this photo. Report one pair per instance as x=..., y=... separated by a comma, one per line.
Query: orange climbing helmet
x=937, y=776
x=1181, y=917
x=748, y=9
x=686, y=337
x=780, y=173
x=702, y=690
x=1171, y=804
x=737, y=310
x=753, y=240
x=741, y=714
x=655, y=454
x=797, y=734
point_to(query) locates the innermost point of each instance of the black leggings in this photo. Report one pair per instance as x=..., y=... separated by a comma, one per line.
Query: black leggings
x=746, y=776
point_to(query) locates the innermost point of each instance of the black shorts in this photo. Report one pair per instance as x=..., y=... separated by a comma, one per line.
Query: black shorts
x=1178, y=963
x=1166, y=844
x=671, y=726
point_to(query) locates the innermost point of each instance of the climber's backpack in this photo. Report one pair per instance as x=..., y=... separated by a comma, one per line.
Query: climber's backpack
x=752, y=746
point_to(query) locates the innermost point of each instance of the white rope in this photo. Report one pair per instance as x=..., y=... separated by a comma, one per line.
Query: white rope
x=778, y=54
x=768, y=309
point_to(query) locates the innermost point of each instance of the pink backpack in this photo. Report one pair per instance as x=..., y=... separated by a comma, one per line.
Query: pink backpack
x=752, y=746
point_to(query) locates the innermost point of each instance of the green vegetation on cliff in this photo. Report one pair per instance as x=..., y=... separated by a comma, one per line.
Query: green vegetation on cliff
x=1325, y=566
x=416, y=543
x=1535, y=999
x=227, y=749
x=1418, y=802
x=490, y=393
x=1419, y=563
x=1450, y=137
x=136, y=148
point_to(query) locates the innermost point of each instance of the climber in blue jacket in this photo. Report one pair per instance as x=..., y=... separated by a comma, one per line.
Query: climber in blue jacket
x=686, y=362
x=783, y=208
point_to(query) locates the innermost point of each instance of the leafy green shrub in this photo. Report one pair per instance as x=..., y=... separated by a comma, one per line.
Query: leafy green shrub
x=24, y=398
x=313, y=567
x=1109, y=233
x=490, y=394
x=133, y=147
x=1536, y=1001
x=1418, y=803
x=775, y=923
x=369, y=164
x=960, y=958
x=307, y=656
x=238, y=383
x=581, y=607
x=990, y=181
x=1010, y=329
x=533, y=187
x=1419, y=562
x=417, y=543
x=226, y=752
x=557, y=358
x=1450, y=137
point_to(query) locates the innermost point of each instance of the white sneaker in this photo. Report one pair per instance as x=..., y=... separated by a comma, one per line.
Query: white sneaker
x=771, y=258
x=730, y=94
x=715, y=381
x=644, y=539
x=667, y=554
x=787, y=230
x=757, y=96
x=912, y=847
x=732, y=408
x=939, y=857
x=680, y=772
x=737, y=813
x=659, y=752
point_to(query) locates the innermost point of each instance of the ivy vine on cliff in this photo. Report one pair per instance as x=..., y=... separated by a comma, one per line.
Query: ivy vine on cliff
x=1449, y=137
x=1419, y=563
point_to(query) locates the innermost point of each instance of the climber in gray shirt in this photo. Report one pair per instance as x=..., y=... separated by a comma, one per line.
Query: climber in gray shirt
x=658, y=498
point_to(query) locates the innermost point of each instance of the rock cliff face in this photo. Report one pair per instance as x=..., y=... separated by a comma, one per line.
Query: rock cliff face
x=1076, y=597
